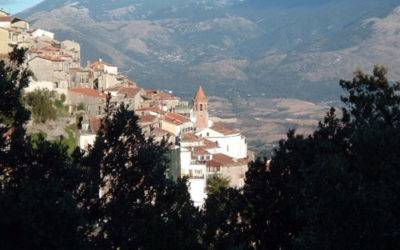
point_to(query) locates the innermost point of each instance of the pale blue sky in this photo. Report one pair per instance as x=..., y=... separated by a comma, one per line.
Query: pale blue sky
x=15, y=6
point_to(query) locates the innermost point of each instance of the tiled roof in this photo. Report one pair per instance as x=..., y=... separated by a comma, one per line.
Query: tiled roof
x=95, y=124
x=213, y=163
x=130, y=92
x=200, y=151
x=200, y=96
x=88, y=92
x=172, y=120
x=131, y=83
x=151, y=92
x=175, y=118
x=152, y=109
x=223, y=159
x=147, y=118
x=99, y=65
x=50, y=58
x=189, y=137
x=178, y=117
x=49, y=48
x=5, y=19
x=166, y=96
x=223, y=130
x=210, y=144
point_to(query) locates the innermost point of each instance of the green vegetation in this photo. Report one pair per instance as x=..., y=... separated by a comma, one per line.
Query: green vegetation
x=81, y=107
x=50, y=200
x=70, y=142
x=335, y=189
x=41, y=104
x=216, y=184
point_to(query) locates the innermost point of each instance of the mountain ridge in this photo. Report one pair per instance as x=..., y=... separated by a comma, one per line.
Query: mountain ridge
x=282, y=49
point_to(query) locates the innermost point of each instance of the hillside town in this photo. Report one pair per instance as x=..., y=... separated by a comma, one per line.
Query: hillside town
x=199, y=147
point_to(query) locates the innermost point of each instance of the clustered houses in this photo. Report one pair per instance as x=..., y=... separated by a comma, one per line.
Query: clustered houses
x=201, y=148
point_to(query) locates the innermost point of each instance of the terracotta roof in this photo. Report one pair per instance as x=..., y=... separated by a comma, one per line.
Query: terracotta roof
x=95, y=124
x=130, y=92
x=151, y=92
x=166, y=96
x=147, y=118
x=5, y=19
x=200, y=151
x=46, y=49
x=209, y=144
x=223, y=130
x=175, y=119
x=189, y=137
x=89, y=92
x=213, y=163
x=178, y=117
x=152, y=109
x=172, y=120
x=131, y=83
x=99, y=65
x=200, y=96
x=50, y=58
x=223, y=159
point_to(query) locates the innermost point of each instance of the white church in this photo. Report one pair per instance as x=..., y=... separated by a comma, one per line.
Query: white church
x=212, y=149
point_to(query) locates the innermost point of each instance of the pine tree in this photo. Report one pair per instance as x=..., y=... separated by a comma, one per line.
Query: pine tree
x=139, y=207
x=38, y=207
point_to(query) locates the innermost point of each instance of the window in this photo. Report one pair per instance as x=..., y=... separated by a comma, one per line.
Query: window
x=208, y=134
x=201, y=107
x=227, y=148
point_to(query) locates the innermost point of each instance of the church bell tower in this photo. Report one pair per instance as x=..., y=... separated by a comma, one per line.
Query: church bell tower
x=200, y=103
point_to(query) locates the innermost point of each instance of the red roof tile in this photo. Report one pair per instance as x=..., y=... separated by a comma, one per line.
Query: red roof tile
x=189, y=137
x=200, y=151
x=88, y=92
x=166, y=96
x=223, y=130
x=213, y=163
x=200, y=96
x=147, y=118
x=5, y=19
x=223, y=159
x=172, y=120
x=152, y=109
x=99, y=65
x=95, y=124
x=178, y=117
x=210, y=144
x=130, y=92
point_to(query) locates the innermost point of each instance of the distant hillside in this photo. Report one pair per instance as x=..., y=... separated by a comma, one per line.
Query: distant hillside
x=285, y=48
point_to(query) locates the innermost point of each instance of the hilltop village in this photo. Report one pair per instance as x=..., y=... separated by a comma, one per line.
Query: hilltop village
x=199, y=148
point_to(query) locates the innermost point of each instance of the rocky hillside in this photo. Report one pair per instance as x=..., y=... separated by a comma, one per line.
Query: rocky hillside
x=285, y=48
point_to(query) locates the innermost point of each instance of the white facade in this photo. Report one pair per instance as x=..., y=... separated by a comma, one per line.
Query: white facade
x=86, y=140
x=40, y=85
x=110, y=69
x=233, y=145
x=5, y=24
x=197, y=177
x=41, y=33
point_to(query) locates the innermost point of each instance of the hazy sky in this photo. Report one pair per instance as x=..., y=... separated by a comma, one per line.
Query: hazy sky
x=15, y=6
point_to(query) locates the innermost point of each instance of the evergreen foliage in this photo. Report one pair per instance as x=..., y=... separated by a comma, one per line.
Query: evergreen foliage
x=41, y=103
x=335, y=189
